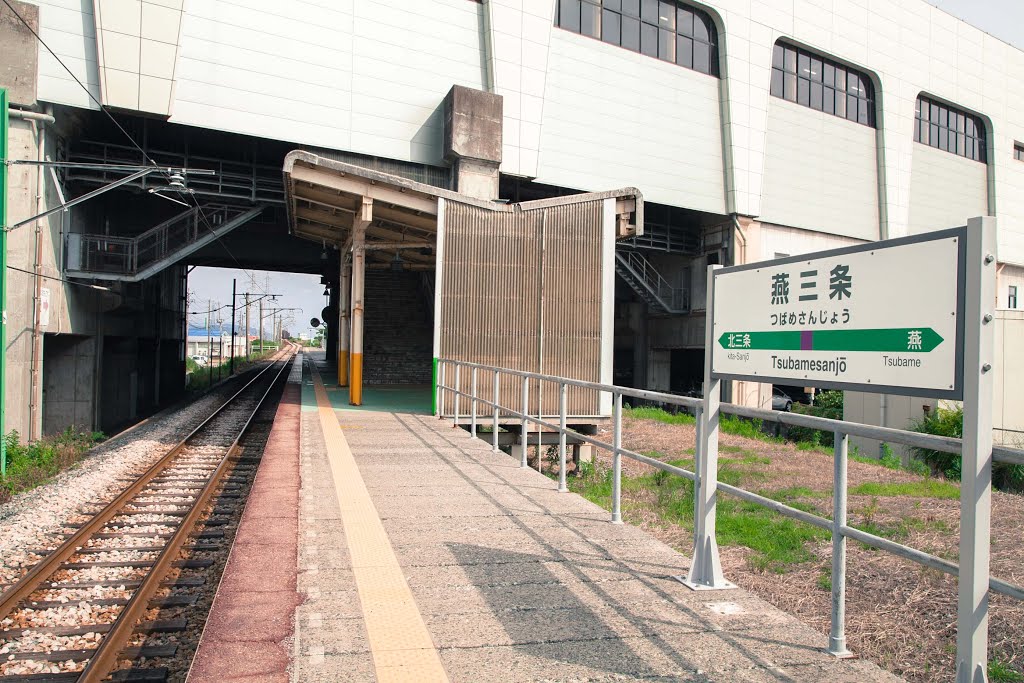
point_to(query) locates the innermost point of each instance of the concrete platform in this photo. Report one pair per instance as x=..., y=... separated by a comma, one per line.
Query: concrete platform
x=248, y=632
x=411, y=552
x=424, y=556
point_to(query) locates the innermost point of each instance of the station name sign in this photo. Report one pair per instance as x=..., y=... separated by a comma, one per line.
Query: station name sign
x=882, y=317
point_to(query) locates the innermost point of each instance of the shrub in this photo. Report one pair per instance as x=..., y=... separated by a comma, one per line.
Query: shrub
x=827, y=404
x=950, y=422
x=32, y=464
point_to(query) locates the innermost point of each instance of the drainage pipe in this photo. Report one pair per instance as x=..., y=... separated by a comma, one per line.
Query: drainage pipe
x=32, y=116
x=35, y=377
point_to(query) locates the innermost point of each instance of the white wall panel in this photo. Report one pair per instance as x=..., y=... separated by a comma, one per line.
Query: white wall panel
x=820, y=172
x=603, y=127
x=1010, y=276
x=945, y=190
x=579, y=112
x=366, y=77
x=777, y=239
x=69, y=29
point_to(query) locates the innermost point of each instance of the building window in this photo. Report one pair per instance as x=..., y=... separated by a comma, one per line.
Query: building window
x=668, y=30
x=1012, y=301
x=820, y=83
x=949, y=129
x=1018, y=152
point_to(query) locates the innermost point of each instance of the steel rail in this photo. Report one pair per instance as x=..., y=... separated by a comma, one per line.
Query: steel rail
x=31, y=581
x=106, y=656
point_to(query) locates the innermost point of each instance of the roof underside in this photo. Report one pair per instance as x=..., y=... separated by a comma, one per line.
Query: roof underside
x=327, y=198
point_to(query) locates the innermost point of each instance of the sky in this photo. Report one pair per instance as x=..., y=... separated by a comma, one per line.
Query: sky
x=1003, y=19
x=303, y=292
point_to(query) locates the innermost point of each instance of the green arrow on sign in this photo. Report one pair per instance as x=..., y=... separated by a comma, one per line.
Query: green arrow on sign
x=901, y=339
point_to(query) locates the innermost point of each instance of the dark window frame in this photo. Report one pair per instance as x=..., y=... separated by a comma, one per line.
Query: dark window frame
x=1018, y=151
x=668, y=30
x=950, y=129
x=818, y=82
x=1011, y=300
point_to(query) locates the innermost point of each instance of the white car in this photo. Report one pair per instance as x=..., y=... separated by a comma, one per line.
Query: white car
x=200, y=359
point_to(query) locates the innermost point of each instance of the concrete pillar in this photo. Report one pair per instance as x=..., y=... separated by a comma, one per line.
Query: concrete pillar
x=472, y=140
x=659, y=370
x=747, y=241
x=344, y=294
x=359, y=224
x=638, y=325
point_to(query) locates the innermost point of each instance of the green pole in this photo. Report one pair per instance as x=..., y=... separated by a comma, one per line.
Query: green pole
x=3, y=280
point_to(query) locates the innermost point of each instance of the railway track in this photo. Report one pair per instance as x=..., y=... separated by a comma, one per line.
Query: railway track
x=83, y=610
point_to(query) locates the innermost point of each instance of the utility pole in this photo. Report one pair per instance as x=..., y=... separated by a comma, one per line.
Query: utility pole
x=234, y=284
x=209, y=341
x=259, y=332
x=248, y=349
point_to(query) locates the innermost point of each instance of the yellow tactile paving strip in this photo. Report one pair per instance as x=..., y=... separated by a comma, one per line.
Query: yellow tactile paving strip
x=399, y=641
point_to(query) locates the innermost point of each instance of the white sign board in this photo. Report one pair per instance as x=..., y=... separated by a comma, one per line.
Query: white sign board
x=44, y=306
x=884, y=317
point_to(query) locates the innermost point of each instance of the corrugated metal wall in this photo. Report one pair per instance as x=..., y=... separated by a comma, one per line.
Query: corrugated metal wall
x=522, y=290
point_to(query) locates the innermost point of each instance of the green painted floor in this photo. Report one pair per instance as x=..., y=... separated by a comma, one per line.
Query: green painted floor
x=388, y=398
x=416, y=399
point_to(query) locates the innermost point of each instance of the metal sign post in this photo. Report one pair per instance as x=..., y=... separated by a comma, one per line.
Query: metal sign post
x=706, y=568
x=3, y=280
x=976, y=464
x=910, y=316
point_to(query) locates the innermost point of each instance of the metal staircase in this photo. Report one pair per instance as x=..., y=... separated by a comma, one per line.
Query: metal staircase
x=640, y=274
x=131, y=259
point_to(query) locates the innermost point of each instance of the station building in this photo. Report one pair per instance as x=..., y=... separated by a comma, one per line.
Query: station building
x=753, y=129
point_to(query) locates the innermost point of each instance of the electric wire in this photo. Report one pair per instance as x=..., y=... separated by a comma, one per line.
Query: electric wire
x=100, y=288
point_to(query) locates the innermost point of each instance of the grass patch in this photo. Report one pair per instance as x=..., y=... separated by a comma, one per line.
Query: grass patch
x=199, y=377
x=31, y=465
x=813, y=447
x=648, y=413
x=777, y=542
x=925, y=488
x=793, y=493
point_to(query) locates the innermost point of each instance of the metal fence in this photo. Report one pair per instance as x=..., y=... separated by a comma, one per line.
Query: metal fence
x=130, y=255
x=464, y=376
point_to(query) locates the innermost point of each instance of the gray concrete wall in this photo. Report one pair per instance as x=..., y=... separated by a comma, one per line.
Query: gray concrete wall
x=19, y=56
x=146, y=310
x=69, y=382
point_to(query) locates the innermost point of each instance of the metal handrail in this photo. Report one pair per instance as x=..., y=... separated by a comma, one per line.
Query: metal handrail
x=235, y=179
x=837, y=525
x=674, y=298
x=136, y=253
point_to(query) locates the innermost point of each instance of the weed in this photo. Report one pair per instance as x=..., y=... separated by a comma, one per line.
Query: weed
x=825, y=579
x=1001, y=672
x=586, y=470
x=889, y=460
